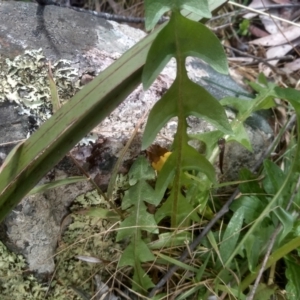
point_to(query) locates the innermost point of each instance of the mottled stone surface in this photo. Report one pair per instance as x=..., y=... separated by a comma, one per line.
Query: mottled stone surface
x=90, y=44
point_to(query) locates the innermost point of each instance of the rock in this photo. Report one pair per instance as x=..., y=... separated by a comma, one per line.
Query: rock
x=88, y=45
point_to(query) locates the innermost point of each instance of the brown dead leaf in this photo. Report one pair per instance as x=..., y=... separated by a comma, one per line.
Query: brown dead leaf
x=277, y=51
x=292, y=66
x=154, y=152
x=282, y=1
x=280, y=51
x=272, y=25
x=289, y=34
x=256, y=4
x=257, y=32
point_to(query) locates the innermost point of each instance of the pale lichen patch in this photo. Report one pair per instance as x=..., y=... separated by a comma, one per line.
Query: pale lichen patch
x=24, y=81
x=86, y=236
x=13, y=283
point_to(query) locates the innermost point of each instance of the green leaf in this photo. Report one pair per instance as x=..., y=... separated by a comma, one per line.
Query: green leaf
x=255, y=245
x=252, y=247
x=185, y=98
x=267, y=103
x=180, y=210
x=202, y=269
x=252, y=205
x=243, y=107
x=154, y=9
x=250, y=184
x=180, y=38
x=192, y=160
x=296, y=202
x=292, y=274
x=183, y=158
x=264, y=292
x=231, y=235
x=297, y=230
x=212, y=240
x=135, y=253
x=240, y=135
x=140, y=169
x=56, y=183
x=287, y=220
x=236, y=293
x=139, y=219
x=141, y=281
x=244, y=27
x=137, y=250
x=293, y=96
x=160, y=296
x=170, y=239
x=262, y=79
x=196, y=290
x=142, y=191
x=262, y=84
x=9, y=160
x=176, y=262
x=197, y=191
x=274, y=177
x=103, y=214
x=209, y=138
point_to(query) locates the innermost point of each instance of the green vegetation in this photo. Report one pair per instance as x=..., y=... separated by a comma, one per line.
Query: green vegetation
x=261, y=228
